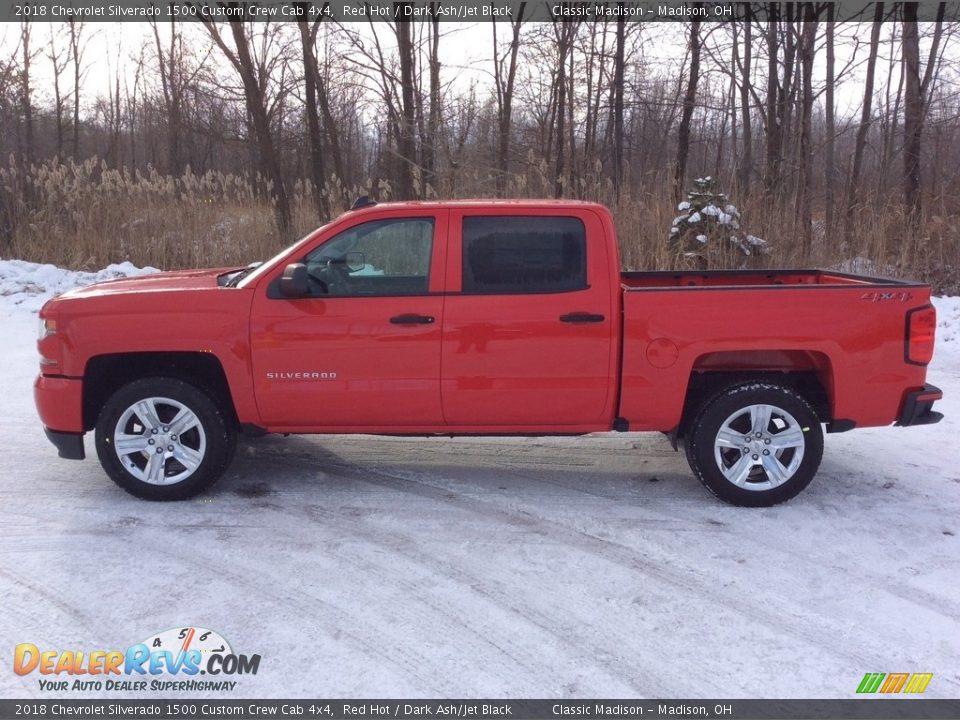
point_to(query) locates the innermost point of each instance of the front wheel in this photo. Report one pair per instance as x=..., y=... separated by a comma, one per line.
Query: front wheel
x=163, y=439
x=756, y=444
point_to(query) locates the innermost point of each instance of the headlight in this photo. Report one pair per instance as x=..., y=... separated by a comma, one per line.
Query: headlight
x=47, y=343
x=47, y=328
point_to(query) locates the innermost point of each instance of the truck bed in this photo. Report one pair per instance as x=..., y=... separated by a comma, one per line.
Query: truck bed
x=848, y=330
x=732, y=278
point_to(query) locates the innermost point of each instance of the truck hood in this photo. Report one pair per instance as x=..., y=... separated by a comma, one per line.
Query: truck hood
x=156, y=282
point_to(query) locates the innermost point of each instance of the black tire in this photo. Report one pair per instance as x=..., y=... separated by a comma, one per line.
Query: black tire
x=759, y=487
x=212, y=439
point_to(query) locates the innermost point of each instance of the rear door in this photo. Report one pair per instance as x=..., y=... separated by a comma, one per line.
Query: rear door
x=527, y=330
x=363, y=350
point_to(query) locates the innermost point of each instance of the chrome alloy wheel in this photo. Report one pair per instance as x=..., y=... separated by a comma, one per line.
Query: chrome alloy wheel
x=159, y=441
x=759, y=447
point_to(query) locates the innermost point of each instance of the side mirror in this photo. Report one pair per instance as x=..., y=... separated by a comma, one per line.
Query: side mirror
x=355, y=261
x=293, y=282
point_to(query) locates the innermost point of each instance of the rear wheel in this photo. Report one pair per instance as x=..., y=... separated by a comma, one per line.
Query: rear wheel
x=163, y=439
x=755, y=444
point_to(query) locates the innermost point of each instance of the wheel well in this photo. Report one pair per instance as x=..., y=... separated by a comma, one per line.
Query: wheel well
x=704, y=385
x=105, y=374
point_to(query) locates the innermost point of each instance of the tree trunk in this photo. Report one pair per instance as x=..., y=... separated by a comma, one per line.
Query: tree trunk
x=407, y=189
x=318, y=173
x=26, y=92
x=504, y=90
x=75, y=50
x=912, y=114
x=689, y=103
x=564, y=42
x=331, y=129
x=866, y=116
x=807, y=49
x=829, y=150
x=618, y=78
x=433, y=117
x=773, y=130
x=171, y=75
x=745, y=169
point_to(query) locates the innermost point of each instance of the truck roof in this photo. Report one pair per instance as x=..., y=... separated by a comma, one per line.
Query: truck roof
x=482, y=203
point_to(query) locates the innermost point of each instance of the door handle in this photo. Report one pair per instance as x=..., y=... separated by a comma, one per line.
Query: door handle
x=411, y=319
x=581, y=317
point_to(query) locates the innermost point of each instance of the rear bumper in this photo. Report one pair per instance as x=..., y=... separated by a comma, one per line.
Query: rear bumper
x=918, y=407
x=69, y=445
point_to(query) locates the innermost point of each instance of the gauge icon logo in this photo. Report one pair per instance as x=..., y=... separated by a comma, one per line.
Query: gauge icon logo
x=184, y=639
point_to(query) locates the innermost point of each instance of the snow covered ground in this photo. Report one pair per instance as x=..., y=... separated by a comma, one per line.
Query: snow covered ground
x=360, y=566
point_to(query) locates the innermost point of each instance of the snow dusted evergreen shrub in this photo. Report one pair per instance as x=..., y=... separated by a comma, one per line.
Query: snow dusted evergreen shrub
x=707, y=232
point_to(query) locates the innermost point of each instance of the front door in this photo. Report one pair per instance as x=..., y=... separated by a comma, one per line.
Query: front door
x=362, y=351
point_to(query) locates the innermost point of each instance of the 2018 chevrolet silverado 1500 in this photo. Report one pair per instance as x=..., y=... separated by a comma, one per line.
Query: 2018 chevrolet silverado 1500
x=481, y=317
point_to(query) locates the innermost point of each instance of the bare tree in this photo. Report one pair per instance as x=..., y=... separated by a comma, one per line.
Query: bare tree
x=504, y=77
x=59, y=60
x=409, y=188
x=774, y=137
x=78, y=44
x=26, y=92
x=807, y=49
x=254, y=90
x=912, y=112
x=689, y=103
x=866, y=116
x=830, y=121
x=564, y=33
x=429, y=142
x=916, y=96
x=175, y=80
x=745, y=160
x=619, y=64
x=308, y=39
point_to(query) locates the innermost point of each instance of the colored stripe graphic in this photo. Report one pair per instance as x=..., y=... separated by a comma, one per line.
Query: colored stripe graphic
x=894, y=683
x=918, y=683
x=870, y=682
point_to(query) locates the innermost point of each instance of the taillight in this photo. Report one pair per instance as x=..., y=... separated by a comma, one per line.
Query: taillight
x=921, y=329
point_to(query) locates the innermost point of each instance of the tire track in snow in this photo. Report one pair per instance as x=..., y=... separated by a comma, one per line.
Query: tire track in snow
x=936, y=604
x=642, y=665
x=804, y=629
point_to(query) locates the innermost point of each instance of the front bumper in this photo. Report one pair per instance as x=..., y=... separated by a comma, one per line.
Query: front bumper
x=60, y=406
x=59, y=402
x=918, y=407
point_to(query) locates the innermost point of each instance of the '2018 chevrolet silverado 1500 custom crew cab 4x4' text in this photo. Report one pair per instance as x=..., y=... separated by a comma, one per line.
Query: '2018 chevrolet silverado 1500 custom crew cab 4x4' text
x=481, y=317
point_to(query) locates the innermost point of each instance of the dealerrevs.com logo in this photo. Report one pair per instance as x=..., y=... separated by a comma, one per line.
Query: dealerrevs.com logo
x=169, y=661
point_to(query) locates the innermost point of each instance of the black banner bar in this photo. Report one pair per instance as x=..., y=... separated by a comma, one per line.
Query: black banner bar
x=878, y=708
x=444, y=10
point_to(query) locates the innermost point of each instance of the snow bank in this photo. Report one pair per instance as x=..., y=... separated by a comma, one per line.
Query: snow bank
x=948, y=327
x=29, y=285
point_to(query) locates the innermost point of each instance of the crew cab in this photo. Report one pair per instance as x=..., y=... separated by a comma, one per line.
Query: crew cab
x=480, y=317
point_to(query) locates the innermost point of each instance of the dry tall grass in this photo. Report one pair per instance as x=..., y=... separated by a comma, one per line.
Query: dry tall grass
x=86, y=215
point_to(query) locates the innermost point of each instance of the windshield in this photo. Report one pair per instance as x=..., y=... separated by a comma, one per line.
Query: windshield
x=246, y=278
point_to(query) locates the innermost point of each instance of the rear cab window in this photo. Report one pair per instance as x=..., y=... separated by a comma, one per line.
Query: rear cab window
x=523, y=254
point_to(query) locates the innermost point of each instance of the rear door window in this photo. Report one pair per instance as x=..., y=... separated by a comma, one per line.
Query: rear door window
x=520, y=254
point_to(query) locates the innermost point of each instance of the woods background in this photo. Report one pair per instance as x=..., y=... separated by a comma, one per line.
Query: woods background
x=209, y=143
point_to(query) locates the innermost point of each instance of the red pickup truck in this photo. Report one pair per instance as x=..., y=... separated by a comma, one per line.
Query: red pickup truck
x=482, y=317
